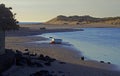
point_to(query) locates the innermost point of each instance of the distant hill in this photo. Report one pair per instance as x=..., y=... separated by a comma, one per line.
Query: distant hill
x=77, y=20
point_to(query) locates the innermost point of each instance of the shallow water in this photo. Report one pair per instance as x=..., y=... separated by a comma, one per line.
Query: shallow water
x=101, y=44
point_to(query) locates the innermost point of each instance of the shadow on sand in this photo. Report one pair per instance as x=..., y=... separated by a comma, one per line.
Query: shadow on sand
x=26, y=64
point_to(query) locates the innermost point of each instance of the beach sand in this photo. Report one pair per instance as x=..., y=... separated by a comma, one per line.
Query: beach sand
x=74, y=66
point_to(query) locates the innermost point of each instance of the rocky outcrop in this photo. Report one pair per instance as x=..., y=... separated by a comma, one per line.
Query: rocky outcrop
x=7, y=60
x=77, y=20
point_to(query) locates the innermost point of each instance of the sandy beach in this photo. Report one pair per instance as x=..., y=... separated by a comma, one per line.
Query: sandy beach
x=20, y=40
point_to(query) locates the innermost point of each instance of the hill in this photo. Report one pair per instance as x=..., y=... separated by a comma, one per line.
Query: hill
x=78, y=20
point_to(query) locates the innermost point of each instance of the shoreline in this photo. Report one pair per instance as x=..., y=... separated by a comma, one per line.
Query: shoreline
x=82, y=52
x=58, y=52
x=79, y=55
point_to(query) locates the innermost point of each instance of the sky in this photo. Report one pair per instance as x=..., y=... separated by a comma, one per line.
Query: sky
x=44, y=10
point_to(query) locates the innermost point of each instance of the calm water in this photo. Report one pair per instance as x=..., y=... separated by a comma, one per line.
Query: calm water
x=94, y=43
x=29, y=23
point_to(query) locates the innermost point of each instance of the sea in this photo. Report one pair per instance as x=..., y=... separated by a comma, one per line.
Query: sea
x=29, y=23
x=101, y=44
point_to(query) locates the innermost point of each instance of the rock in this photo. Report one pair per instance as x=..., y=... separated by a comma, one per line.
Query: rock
x=19, y=52
x=101, y=61
x=38, y=64
x=33, y=54
x=62, y=62
x=1, y=74
x=47, y=64
x=42, y=73
x=49, y=59
x=27, y=53
x=82, y=58
x=108, y=62
x=41, y=57
x=43, y=28
x=26, y=50
x=60, y=72
x=52, y=72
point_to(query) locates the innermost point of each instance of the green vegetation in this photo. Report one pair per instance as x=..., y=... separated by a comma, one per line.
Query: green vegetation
x=7, y=19
x=76, y=20
x=7, y=22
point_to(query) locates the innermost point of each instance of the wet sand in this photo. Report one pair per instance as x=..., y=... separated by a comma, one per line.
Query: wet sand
x=19, y=40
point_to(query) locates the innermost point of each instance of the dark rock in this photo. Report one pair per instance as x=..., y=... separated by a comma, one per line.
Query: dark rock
x=108, y=62
x=33, y=54
x=1, y=74
x=20, y=63
x=52, y=60
x=60, y=72
x=52, y=72
x=38, y=64
x=28, y=61
x=7, y=60
x=101, y=61
x=62, y=62
x=18, y=52
x=18, y=57
x=26, y=50
x=42, y=28
x=41, y=57
x=41, y=73
x=27, y=53
x=82, y=58
x=47, y=58
x=47, y=64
